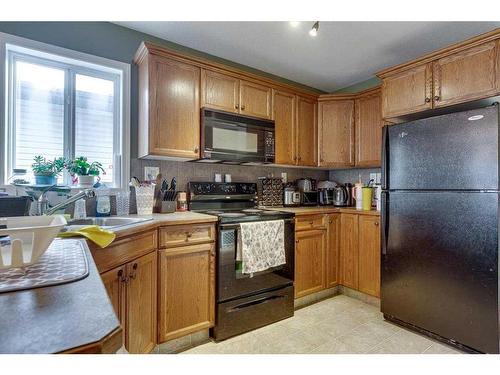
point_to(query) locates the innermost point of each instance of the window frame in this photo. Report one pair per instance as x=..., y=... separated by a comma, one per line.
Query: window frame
x=13, y=49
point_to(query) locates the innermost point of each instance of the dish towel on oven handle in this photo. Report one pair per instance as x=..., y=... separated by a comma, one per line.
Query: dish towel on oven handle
x=261, y=245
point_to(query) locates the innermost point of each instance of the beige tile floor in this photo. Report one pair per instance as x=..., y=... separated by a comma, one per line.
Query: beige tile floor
x=338, y=325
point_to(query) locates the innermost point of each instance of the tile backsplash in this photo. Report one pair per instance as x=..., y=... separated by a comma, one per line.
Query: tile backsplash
x=190, y=171
x=352, y=175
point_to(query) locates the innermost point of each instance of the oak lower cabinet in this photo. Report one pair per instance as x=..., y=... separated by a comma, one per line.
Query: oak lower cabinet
x=333, y=250
x=349, y=255
x=186, y=293
x=132, y=291
x=310, y=248
x=369, y=255
x=336, y=133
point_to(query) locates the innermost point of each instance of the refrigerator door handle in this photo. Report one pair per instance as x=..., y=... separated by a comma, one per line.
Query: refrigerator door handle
x=385, y=221
x=385, y=156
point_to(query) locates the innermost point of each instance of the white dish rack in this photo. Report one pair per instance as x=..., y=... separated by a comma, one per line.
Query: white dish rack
x=28, y=238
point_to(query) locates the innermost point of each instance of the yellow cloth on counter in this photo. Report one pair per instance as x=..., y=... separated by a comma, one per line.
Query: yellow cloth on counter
x=94, y=233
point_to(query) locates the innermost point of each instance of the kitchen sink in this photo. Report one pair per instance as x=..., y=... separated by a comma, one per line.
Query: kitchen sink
x=107, y=222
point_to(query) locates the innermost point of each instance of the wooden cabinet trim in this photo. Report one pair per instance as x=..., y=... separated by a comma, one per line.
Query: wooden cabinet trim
x=449, y=50
x=150, y=48
x=124, y=250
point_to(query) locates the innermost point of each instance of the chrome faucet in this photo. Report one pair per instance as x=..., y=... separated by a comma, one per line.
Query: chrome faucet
x=43, y=203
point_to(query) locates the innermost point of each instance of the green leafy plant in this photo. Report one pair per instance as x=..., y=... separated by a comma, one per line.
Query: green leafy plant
x=43, y=167
x=81, y=167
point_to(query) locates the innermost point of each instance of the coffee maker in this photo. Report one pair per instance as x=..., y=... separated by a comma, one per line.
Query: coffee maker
x=308, y=192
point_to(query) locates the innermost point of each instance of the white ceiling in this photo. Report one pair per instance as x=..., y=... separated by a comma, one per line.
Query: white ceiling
x=342, y=54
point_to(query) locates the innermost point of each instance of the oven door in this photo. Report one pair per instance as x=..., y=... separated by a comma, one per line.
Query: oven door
x=237, y=139
x=232, y=283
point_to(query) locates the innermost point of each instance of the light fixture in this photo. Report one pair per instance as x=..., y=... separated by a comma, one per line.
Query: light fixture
x=314, y=30
x=294, y=23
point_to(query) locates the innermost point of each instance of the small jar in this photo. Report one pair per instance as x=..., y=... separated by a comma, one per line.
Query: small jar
x=182, y=201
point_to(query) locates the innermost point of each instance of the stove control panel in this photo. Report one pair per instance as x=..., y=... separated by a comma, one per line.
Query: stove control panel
x=222, y=188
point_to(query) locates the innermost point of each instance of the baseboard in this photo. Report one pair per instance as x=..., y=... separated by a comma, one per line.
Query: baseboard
x=183, y=343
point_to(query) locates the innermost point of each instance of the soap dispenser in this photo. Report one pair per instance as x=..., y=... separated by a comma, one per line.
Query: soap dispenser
x=103, y=207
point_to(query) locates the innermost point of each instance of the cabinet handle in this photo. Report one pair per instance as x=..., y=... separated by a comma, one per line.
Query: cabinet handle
x=236, y=106
x=331, y=221
x=243, y=107
x=321, y=160
x=300, y=158
x=196, y=150
x=436, y=98
x=427, y=100
x=311, y=222
x=296, y=241
x=123, y=279
x=376, y=223
x=133, y=275
x=189, y=234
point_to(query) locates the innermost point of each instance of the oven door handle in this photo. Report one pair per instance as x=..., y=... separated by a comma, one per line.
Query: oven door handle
x=237, y=225
x=258, y=301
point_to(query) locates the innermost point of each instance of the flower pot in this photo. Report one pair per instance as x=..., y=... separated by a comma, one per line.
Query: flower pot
x=86, y=181
x=42, y=179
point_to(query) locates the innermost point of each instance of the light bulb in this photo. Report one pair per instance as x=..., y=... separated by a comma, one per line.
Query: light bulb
x=314, y=30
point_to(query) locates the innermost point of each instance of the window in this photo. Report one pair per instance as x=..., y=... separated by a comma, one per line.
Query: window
x=60, y=106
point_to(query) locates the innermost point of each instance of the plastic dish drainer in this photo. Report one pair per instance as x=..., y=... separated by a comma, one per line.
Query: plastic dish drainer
x=28, y=238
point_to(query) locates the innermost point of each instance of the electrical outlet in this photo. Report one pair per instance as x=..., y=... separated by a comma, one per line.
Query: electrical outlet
x=284, y=177
x=150, y=173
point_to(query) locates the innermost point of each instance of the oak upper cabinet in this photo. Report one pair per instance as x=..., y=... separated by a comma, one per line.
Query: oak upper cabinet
x=309, y=261
x=169, y=107
x=466, y=75
x=369, y=255
x=220, y=91
x=333, y=250
x=132, y=291
x=407, y=91
x=307, y=150
x=336, y=133
x=349, y=255
x=255, y=100
x=368, y=130
x=186, y=290
x=284, y=116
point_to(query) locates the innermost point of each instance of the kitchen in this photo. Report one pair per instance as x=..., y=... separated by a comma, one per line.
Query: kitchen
x=233, y=211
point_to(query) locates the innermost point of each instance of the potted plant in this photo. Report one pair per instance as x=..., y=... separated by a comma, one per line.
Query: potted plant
x=46, y=171
x=84, y=172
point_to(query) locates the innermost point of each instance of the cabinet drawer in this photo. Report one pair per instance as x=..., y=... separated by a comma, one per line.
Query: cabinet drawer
x=309, y=222
x=124, y=250
x=179, y=235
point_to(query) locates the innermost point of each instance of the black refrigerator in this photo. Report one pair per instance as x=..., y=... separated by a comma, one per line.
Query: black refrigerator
x=440, y=205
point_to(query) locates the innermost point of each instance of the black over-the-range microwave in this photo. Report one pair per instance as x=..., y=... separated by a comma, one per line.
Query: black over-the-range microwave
x=235, y=139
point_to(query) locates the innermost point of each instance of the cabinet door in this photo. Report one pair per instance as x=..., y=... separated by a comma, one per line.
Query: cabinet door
x=141, y=304
x=369, y=255
x=255, y=100
x=336, y=133
x=467, y=75
x=219, y=91
x=407, y=92
x=186, y=290
x=349, y=250
x=309, y=262
x=284, y=116
x=175, y=108
x=307, y=154
x=368, y=131
x=333, y=251
x=113, y=281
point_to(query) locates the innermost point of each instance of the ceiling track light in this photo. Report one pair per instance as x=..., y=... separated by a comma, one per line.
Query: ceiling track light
x=314, y=30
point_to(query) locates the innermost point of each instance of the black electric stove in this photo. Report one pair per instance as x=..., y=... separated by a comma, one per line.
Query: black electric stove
x=244, y=302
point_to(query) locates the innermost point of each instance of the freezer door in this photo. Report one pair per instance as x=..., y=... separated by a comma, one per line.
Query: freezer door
x=449, y=152
x=440, y=264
